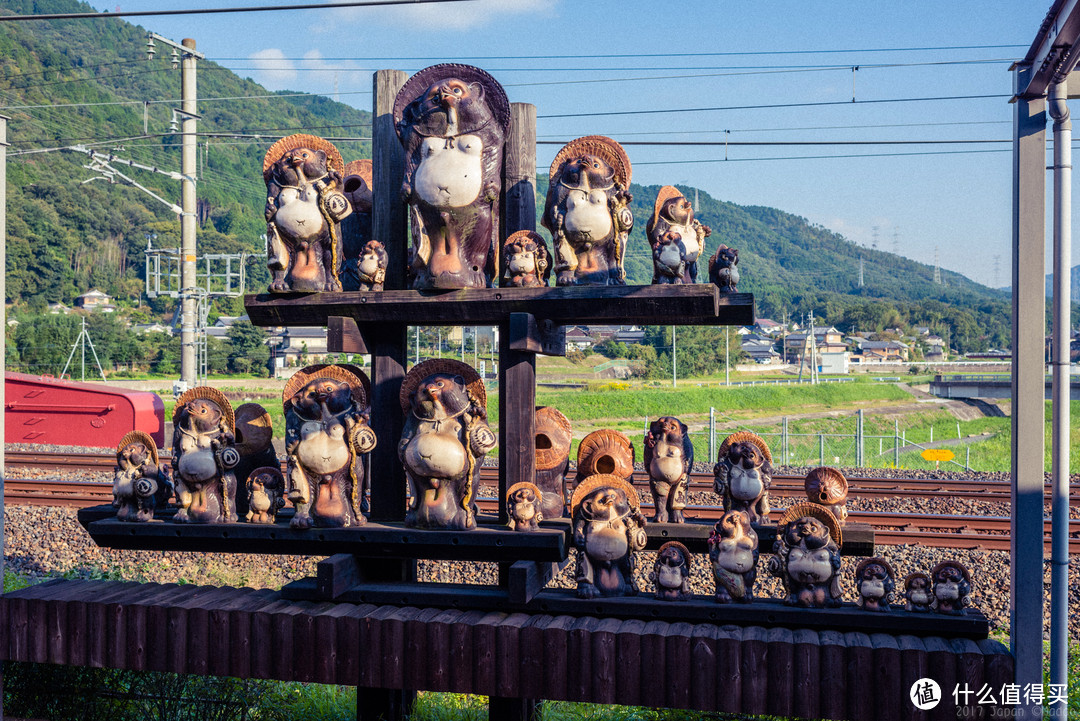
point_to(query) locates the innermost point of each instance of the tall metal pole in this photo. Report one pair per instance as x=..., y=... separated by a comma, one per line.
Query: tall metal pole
x=187, y=218
x=1059, y=534
x=1028, y=387
x=674, y=377
x=727, y=355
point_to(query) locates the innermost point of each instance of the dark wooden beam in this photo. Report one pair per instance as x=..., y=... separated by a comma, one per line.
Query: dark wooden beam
x=536, y=336
x=700, y=304
x=343, y=336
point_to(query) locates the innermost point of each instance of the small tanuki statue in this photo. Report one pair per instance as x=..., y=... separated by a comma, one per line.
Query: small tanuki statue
x=673, y=222
x=807, y=556
x=952, y=587
x=356, y=229
x=553, y=440
x=254, y=434
x=671, y=572
x=917, y=594
x=526, y=261
x=723, y=270
x=669, y=259
x=742, y=475
x=445, y=439
x=326, y=437
x=669, y=456
x=304, y=208
x=608, y=529
x=204, y=456
x=733, y=551
x=140, y=483
x=588, y=211
x=523, y=506
x=828, y=487
x=371, y=266
x=452, y=121
x=265, y=494
x=875, y=584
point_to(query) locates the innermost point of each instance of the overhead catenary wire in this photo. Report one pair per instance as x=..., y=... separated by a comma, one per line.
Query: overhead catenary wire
x=219, y=11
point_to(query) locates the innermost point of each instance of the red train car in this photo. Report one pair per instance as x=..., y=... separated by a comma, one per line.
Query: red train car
x=39, y=409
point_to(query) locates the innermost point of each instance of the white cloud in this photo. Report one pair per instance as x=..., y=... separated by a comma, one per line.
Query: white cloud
x=274, y=69
x=447, y=15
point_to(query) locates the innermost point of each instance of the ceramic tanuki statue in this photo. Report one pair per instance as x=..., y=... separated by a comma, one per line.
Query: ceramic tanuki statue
x=733, y=551
x=452, y=121
x=828, y=487
x=608, y=529
x=669, y=259
x=326, y=437
x=254, y=432
x=140, y=484
x=356, y=229
x=671, y=572
x=917, y=594
x=807, y=556
x=669, y=456
x=605, y=451
x=446, y=437
x=673, y=220
x=371, y=266
x=265, y=489
x=952, y=587
x=204, y=455
x=875, y=584
x=552, y=459
x=304, y=207
x=742, y=475
x=587, y=211
x=526, y=262
x=523, y=506
x=723, y=269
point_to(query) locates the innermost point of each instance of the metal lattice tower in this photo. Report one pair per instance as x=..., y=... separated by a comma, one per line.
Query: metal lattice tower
x=937, y=267
x=997, y=271
x=896, y=241
x=861, y=264
x=873, y=241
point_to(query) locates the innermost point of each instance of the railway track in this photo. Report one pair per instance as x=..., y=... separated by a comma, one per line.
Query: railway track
x=986, y=532
x=782, y=485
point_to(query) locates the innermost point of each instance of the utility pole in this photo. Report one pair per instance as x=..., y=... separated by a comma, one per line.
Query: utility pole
x=674, y=378
x=185, y=54
x=727, y=355
x=3, y=324
x=813, y=351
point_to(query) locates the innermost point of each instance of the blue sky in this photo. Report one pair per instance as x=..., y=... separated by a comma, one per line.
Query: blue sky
x=737, y=54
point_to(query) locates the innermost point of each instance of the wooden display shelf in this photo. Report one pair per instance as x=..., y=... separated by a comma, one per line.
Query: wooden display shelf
x=698, y=304
x=488, y=542
x=694, y=534
x=766, y=612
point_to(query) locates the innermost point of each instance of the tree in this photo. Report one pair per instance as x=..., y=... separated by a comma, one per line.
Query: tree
x=248, y=350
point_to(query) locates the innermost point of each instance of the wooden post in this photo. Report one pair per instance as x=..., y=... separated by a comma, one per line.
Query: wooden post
x=3, y=350
x=519, y=171
x=387, y=172
x=517, y=410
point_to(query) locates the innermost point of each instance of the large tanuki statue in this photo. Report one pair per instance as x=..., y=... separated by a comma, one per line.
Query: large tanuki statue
x=446, y=437
x=452, y=121
x=304, y=206
x=673, y=220
x=669, y=456
x=140, y=484
x=608, y=529
x=806, y=556
x=742, y=475
x=204, y=456
x=326, y=437
x=588, y=213
x=733, y=552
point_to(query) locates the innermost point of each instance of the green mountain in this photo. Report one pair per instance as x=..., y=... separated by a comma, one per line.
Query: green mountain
x=89, y=79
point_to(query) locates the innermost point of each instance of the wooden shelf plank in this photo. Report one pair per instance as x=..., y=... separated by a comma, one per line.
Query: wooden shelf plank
x=765, y=612
x=699, y=304
x=487, y=542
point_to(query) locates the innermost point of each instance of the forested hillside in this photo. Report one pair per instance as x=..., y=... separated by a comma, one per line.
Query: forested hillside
x=86, y=82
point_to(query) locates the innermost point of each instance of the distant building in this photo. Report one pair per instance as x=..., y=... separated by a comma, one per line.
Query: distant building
x=297, y=342
x=826, y=340
x=883, y=351
x=578, y=338
x=95, y=300
x=152, y=328
x=58, y=308
x=769, y=327
x=833, y=362
x=760, y=350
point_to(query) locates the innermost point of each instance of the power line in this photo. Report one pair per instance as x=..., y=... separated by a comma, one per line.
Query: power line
x=811, y=127
x=771, y=106
x=820, y=157
x=663, y=55
x=755, y=143
x=217, y=11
